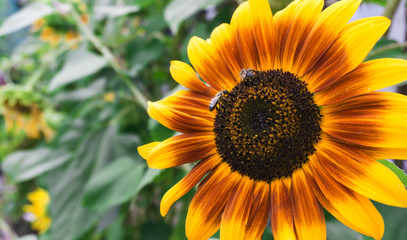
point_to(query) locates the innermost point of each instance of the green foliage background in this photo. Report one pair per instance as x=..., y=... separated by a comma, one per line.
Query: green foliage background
x=100, y=187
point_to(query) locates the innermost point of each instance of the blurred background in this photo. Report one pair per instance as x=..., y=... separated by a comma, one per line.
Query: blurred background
x=75, y=77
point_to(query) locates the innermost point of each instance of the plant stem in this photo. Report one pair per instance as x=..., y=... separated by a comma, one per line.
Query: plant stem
x=140, y=98
x=45, y=62
x=391, y=8
x=36, y=76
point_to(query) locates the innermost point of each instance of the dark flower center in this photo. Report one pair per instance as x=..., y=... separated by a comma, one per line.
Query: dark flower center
x=267, y=125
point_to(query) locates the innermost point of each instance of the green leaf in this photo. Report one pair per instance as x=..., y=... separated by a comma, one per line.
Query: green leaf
x=115, y=184
x=79, y=64
x=378, y=2
x=27, y=164
x=115, y=231
x=335, y=230
x=25, y=17
x=179, y=10
x=155, y=230
x=140, y=53
x=395, y=221
x=69, y=218
x=158, y=131
x=113, y=11
x=277, y=5
x=386, y=48
x=83, y=94
x=400, y=173
x=148, y=178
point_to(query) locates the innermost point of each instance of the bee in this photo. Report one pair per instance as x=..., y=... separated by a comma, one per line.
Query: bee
x=214, y=102
x=246, y=73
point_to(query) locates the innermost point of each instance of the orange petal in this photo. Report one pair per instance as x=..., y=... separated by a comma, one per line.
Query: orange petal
x=282, y=223
x=259, y=212
x=178, y=120
x=184, y=148
x=191, y=103
x=293, y=25
x=222, y=40
x=263, y=32
x=209, y=64
x=386, y=153
x=187, y=77
x=325, y=31
x=206, y=208
x=145, y=150
x=308, y=218
x=377, y=119
x=347, y=52
x=237, y=211
x=367, y=77
x=188, y=182
x=242, y=30
x=349, y=207
x=362, y=174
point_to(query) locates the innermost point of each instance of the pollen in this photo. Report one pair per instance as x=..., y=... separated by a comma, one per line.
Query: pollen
x=266, y=127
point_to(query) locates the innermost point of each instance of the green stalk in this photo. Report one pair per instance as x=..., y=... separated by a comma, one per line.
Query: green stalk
x=391, y=8
x=140, y=98
x=45, y=63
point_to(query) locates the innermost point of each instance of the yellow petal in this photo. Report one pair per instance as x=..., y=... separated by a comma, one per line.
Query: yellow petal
x=325, y=31
x=349, y=207
x=308, y=218
x=362, y=174
x=347, y=52
x=237, y=211
x=187, y=77
x=181, y=149
x=188, y=182
x=367, y=77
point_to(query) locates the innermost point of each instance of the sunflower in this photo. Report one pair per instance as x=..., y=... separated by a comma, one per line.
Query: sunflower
x=57, y=27
x=29, y=118
x=288, y=123
x=24, y=111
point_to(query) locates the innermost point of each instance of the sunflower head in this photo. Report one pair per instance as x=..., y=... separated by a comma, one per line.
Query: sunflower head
x=55, y=28
x=297, y=130
x=23, y=110
x=267, y=125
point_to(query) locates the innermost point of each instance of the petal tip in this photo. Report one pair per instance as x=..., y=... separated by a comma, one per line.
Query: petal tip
x=146, y=149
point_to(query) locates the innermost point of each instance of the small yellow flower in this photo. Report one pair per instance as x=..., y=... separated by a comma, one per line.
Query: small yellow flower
x=46, y=34
x=36, y=212
x=71, y=36
x=55, y=39
x=83, y=7
x=37, y=25
x=85, y=18
x=109, y=97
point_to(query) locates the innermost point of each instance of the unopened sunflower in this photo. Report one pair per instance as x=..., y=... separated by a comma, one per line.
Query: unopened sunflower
x=36, y=212
x=58, y=27
x=23, y=110
x=288, y=123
